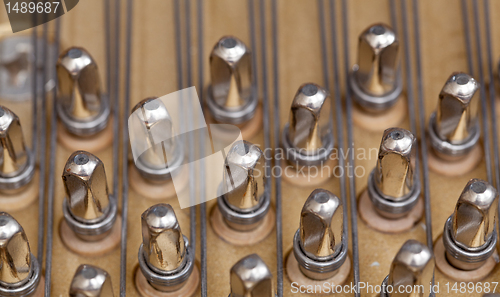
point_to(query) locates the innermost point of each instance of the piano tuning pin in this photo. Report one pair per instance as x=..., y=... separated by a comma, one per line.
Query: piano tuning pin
x=243, y=186
x=469, y=234
x=413, y=266
x=20, y=274
x=319, y=245
x=82, y=107
x=453, y=128
x=393, y=185
x=376, y=80
x=17, y=164
x=17, y=57
x=91, y=281
x=250, y=277
x=232, y=96
x=307, y=138
x=90, y=212
x=166, y=259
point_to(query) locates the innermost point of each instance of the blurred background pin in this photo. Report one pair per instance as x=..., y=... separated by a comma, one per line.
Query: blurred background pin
x=91, y=281
x=250, y=277
x=17, y=164
x=412, y=267
x=20, y=272
x=17, y=57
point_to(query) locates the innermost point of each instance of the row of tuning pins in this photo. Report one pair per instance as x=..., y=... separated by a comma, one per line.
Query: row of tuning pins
x=84, y=112
x=90, y=211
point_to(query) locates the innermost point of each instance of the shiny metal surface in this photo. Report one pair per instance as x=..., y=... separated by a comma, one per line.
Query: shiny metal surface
x=165, y=154
x=469, y=235
x=454, y=127
x=394, y=173
x=243, y=180
x=393, y=185
x=157, y=120
x=14, y=154
x=378, y=59
x=412, y=266
x=165, y=257
x=19, y=269
x=309, y=118
x=321, y=225
x=91, y=281
x=475, y=214
x=243, y=199
x=232, y=95
x=231, y=72
x=163, y=243
x=88, y=209
x=456, y=114
x=320, y=245
x=15, y=254
x=16, y=54
x=376, y=80
x=81, y=105
x=307, y=137
x=86, y=186
x=250, y=277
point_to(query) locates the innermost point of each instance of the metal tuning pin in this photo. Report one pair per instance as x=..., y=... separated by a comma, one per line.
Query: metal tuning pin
x=14, y=63
x=244, y=201
x=17, y=64
x=165, y=257
x=91, y=281
x=88, y=209
x=376, y=81
x=19, y=269
x=320, y=245
x=413, y=266
x=17, y=164
x=469, y=235
x=162, y=160
x=393, y=185
x=307, y=138
x=232, y=96
x=454, y=127
x=250, y=277
x=81, y=106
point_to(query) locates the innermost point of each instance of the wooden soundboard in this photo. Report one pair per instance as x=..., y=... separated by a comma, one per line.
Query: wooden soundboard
x=154, y=74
